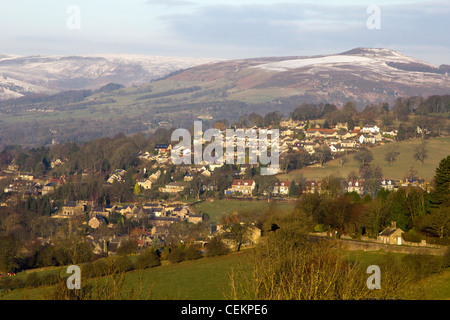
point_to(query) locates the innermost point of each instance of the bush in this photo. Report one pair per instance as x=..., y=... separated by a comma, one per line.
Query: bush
x=88, y=270
x=422, y=266
x=32, y=280
x=10, y=283
x=412, y=236
x=176, y=255
x=99, y=268
x=193, y=252
x=216, y=248
x=120, y=264
x=320, y=228
x=148, y=259
x=127, y=248
x=50, y=279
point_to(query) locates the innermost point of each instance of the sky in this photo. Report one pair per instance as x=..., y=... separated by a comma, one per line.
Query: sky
x=225, y=29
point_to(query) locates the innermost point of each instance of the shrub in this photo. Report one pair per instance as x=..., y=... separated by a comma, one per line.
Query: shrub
x=320, y=228
x=412, y=236
x=216, y=248
x=32, y=280
x=88, y=270
x=10, y=283
x=50, y=279
x=127, y=248
x=99, y=268
x=176, y=255
x=193, y=252
x=148, y=259
x=422, y=266
x=120, y=264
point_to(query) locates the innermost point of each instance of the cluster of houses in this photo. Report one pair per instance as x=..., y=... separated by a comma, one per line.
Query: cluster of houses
x=313, y=186
x=282, y=188
x=338, y=138
x=162, y=154
x=247, y=187
x=158, y=215
x=30, y=185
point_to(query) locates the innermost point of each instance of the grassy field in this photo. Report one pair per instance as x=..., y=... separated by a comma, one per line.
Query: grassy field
x=203, y=279
x=221, y=208
x=208, y=279
x=434, y=287
x=438, y=148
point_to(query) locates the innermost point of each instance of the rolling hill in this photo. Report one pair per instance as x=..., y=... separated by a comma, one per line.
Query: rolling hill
x=21, y=75
x=189, y=89
x=363, y=75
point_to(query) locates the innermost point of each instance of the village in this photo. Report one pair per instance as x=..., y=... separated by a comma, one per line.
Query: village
x=149, y=222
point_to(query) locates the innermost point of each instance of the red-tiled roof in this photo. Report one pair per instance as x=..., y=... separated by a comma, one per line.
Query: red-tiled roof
x=242, y=182
x=321, y=130
x=283, y=184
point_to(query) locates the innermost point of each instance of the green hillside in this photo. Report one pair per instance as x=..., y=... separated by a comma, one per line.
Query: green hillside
x=221, y=208
x=203, y=279
x=438, y=148
x=208, y=279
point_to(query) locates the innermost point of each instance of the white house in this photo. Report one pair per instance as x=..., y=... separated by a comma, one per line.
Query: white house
x=282, y=187
x=370, y=129
x=355, y=186
x=145, y=183
x=388, y=184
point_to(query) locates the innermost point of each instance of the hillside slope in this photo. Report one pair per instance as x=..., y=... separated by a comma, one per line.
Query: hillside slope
x=21, y=75
x=364, y=75
x=438, y=148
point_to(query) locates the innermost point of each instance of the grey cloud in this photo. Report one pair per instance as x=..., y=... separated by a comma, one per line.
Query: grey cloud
x=293, y=27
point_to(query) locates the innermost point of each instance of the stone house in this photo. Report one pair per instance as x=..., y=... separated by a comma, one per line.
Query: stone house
x=180, y=212
x=195, y=218
x=73, y=209
x=173, y=187
x=96, y=221
x=48, y=188
x=391, y=235
x=145, y=184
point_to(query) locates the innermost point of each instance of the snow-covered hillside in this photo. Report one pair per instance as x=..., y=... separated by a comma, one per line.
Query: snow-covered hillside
x=21, y=75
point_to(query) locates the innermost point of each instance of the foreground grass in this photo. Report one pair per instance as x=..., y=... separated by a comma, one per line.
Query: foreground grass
x=202, y=279
x=434, y=287
x=208, y=279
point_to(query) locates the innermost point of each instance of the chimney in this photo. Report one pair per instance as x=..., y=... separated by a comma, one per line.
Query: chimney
x=394, y=224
